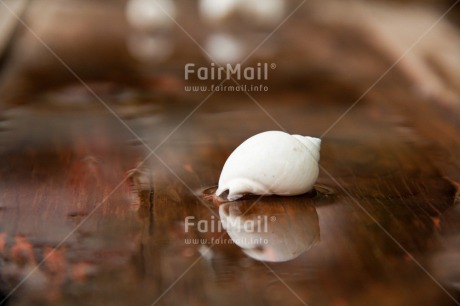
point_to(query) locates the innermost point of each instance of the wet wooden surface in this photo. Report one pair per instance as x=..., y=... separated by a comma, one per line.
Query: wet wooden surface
x=81, y=226
x=107, y=205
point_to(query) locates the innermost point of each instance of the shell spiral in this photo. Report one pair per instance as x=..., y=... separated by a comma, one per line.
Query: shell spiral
x=269, y=163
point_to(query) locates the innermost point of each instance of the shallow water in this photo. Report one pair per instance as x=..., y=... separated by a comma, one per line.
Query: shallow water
x=373, y=222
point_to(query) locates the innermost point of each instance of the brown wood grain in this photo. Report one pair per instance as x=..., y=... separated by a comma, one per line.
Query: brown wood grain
x=87, y=219
x=380, y=198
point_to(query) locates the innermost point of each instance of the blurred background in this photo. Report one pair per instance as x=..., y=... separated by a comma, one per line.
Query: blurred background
x=130, y=48
x=89, y=87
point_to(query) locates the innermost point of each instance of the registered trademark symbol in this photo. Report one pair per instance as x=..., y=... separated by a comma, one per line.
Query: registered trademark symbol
x=273, y=66
x=272, y=218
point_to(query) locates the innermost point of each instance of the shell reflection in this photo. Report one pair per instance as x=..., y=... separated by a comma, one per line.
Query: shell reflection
x=271, y=230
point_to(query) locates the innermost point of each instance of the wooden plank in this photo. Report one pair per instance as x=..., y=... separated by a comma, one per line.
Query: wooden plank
x=65, y=202
x=382, y=228
x=377, y=212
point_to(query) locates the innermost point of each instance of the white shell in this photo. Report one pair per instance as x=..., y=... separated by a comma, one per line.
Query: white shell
x=272, y=162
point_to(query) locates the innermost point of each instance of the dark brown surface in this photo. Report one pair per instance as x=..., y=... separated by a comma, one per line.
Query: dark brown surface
x=381, y=204
x=93, y=207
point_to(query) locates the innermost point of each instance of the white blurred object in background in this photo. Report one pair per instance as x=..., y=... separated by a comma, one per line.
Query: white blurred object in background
x=267, y=12
x=150, y=14
x=151, y=21
x=147, y=47
x=224, y=48
x=216, y=11
x=243, y=22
